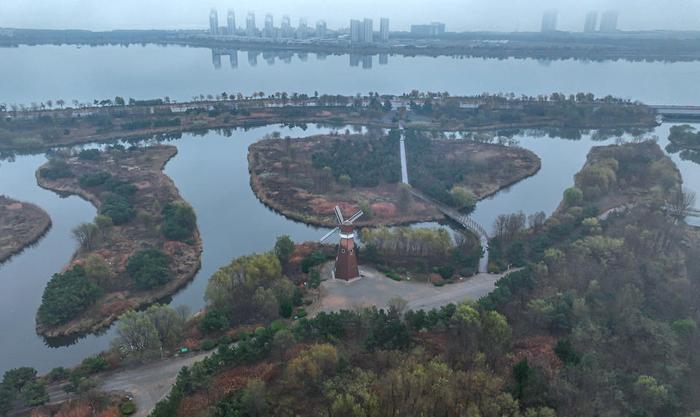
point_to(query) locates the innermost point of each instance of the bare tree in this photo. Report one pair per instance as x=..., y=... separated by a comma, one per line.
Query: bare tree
x=682, y=202
x=87, y=235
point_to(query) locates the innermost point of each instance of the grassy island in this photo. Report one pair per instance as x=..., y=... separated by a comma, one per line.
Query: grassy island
x=306, y=178
x=21, y=224
x=23, y=129
x=142, y=246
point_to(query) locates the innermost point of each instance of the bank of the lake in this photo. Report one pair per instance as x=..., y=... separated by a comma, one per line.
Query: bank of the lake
x=21, y=225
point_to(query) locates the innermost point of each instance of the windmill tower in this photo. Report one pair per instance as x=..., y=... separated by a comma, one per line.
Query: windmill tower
x=346, y=260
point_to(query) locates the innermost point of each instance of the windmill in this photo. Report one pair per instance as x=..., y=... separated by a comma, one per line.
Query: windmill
x=346, y=261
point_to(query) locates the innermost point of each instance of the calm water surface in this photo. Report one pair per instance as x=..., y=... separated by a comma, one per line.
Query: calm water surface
x=211, y=171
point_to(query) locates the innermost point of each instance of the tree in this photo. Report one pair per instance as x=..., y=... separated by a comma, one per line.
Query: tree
x=284, y=247
x=254, y=400
x=179, y=221
x=97, y=269
x=137, y=336
x=34, y=393
x=117, y=208
x=149, y=268
x=169, y=323
x=87, y=235
x=119, y=101
x=573, y=197
x=7, y=398
x=18, y=377
x=66, y=295
x=681, y=203
x=238, y=288
x=463, y=198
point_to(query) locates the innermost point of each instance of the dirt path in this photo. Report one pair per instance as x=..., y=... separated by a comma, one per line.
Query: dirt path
x=148, y=384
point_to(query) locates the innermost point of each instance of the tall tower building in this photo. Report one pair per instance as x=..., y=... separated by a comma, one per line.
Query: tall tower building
x=250, y=29
x=269, y=31
x=286, y=27
x=549, y=21
x=356, y=31
x=303, y=29
x=214, y=22
x=368, y=30
x=384, y=29
x=608, y=22
x=591, y=24
x=321, y=29
x=231, y=22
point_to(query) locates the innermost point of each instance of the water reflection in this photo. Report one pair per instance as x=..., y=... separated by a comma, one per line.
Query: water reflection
x=365, y=61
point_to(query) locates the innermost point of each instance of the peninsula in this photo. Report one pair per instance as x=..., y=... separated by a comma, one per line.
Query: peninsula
x=142, y=247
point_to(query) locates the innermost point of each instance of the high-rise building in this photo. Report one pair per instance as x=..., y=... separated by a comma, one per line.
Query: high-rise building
x=384, y=29
x=356, y=31
x=321, y=29
x=591, y=22
x=368, y=30
x=549, y=21
x=608, y=22
x=269, y=31
x=286, y=27
x=214, y=22
x=302, y=29
x=233, y=58
x=250, y=29
x=231, y=22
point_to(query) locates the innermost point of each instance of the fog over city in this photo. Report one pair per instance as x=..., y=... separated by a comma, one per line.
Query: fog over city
x=459, y=15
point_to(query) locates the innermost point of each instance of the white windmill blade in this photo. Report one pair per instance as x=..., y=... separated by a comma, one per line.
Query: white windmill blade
x=329, y=234
x=356, y=216
x=339, y=215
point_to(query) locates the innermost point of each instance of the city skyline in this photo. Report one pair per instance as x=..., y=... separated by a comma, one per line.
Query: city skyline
x=497, y=15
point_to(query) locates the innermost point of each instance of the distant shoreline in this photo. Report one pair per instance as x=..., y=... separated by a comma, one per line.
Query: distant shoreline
x=632, y=46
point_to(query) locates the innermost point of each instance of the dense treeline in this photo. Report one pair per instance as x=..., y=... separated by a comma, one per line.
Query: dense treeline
x=421, y=250
x=367, y=363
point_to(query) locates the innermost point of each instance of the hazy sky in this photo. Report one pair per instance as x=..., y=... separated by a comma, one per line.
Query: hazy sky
x=502, y=15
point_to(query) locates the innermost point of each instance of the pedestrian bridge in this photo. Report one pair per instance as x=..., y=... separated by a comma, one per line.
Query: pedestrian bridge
x=466, y=222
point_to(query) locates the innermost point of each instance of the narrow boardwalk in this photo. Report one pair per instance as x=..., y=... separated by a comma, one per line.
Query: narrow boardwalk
x=466, y=222
x=463, y=220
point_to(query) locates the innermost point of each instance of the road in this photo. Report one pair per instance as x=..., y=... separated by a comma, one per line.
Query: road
x=147, y=384
x=374, y=289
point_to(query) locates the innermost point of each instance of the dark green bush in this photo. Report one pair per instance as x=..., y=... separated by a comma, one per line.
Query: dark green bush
x=66, y=295
x=118, y=209
x=179, y=221
x=89, y=154
x=95, y=179
x=149, y=268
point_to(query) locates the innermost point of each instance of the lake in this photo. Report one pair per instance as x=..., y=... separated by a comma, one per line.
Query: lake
x=211, y=170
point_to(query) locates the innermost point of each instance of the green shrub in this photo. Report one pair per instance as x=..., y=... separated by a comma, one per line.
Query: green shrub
x=89, y=154
x=120, y=187
x=34, y=393
x=118, y=209
x=127, y=408
x=214, y=321
x=149, y=268
x=208, y=344
x=314, y=259
x=94, y=180
x=179, y=221
x=66, y=295
x=58, y=374
x=56, y=168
